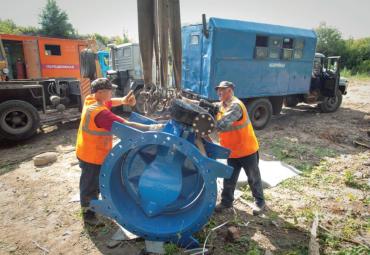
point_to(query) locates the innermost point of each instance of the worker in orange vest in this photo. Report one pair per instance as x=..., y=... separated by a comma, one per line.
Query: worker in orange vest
x=236, y=133
x=94, y=139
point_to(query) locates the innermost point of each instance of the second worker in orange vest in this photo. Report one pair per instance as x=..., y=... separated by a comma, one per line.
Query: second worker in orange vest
x=94, y=139
x=236, y=133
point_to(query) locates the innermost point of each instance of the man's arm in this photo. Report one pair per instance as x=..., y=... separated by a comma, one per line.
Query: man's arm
x=233, y=114
x=129, y=100
x=106, y=118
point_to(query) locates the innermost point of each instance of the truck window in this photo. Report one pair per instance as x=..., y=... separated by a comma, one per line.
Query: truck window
x=275, y=47
x=52, y=50
x=194, y=39
x=261, y=47
x=298, y=48
x=287, y=48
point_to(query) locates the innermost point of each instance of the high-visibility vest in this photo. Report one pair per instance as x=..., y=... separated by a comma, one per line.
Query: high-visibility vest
x=239, y=137
x=93, y=143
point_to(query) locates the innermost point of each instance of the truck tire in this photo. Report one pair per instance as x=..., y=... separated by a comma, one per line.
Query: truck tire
x=291, y=101
x=19, y=120
x=260, y=112
x=331, y=104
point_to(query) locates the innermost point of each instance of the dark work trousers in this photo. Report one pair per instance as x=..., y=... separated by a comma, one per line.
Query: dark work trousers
x=250, y=165
x=89, y=183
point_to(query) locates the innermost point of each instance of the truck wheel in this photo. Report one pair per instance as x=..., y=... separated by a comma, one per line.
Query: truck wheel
x=19, y=120
x=260, y=112
x=291, y=101
x=331, y=104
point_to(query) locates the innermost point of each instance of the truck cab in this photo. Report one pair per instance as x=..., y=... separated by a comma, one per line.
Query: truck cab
x=40, y=83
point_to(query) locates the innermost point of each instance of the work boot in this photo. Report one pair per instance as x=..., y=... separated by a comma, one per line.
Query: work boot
x=257, y=209
x=90, y=218
x=221, y=207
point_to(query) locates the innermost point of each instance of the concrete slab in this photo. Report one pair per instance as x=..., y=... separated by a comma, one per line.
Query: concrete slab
x=272, y=173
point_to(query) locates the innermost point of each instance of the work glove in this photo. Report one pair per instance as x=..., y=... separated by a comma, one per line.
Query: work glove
x=156, y=127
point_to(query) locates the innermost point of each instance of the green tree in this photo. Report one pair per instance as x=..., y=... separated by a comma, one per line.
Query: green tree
x=358, y=55
x=8, y=27
x=329, y=41
x=54, y=21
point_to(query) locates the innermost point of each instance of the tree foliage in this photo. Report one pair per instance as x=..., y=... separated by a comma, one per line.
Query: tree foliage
x=103, y=41
x=355, y=53
x=9, y=27
x=54, y=21
x=329, y=40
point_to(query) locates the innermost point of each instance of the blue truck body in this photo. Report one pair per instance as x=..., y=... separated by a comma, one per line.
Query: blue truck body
x=103, y=58
x=262, y=60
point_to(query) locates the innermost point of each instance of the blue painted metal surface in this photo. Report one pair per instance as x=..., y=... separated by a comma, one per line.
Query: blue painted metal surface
x=229, y=54
x=103, y=58
x=158, y=185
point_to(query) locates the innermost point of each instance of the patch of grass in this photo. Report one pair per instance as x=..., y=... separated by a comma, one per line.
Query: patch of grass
x=254, y=250
x=351, y=228
x=294, y=183
x=303, y=157
x=247, y=193
x=7, y=168
x=358, y=76
x=244, y=247
x=330, y=241
x=307, y=213
x=273, y=215
x=171, y=249
x=202, y=234
x=300, y=250
x=357, y=250
x=350, y=181
x=78, y=214
x=366, y=201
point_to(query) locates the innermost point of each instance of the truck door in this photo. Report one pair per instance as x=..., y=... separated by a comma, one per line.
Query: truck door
x=32, y=59
x=331, y=77
x=192, y=60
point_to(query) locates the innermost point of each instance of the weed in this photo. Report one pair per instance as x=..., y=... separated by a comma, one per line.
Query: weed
x=351, y=227
x=358, y=250
x=253, y=249
x=350, y=181
x=330, y=241
x=7, y=168
x=171, y=249
x=244, y=247
x=300, y=250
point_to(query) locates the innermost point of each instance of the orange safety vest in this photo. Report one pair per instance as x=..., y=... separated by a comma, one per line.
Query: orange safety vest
x=93, y=143
x=239, y=137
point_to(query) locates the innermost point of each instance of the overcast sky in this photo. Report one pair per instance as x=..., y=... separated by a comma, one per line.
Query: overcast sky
x=112, y=17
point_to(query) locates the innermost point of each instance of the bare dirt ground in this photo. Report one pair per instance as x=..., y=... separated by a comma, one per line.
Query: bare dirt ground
x=37, y=216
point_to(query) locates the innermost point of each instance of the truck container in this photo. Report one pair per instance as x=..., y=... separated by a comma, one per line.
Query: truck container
x=269, y=64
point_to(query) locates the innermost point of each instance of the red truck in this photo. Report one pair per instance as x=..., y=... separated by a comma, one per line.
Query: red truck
x=40, y=83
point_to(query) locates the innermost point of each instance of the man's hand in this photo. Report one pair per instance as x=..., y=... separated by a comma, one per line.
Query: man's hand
x=129, y=99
